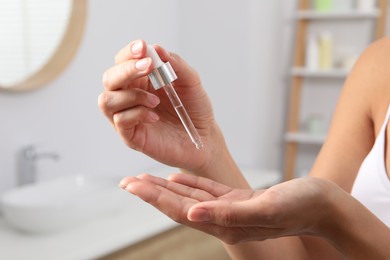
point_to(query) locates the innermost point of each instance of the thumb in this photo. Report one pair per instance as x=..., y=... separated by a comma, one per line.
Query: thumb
x=235, y=213
x=185, y=73
x=223, y=213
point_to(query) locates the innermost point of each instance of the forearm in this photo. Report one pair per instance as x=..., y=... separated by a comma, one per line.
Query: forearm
x=355, y=231
x=290, y=248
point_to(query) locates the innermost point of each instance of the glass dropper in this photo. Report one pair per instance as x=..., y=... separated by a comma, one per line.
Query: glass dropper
x=162, y=76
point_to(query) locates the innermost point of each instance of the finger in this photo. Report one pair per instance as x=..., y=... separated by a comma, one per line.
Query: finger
x=141, y=188
x=183, y=190
x=187, y=75
x=111, y=102
x=128, y=119
x=125, y=181
x=156, y=180
x=134, y=50
x=173, y=205
x=234, y=213
x=137, y=50
x=176, y=207
x=214, y=188
x=131, y=126
x=123, y=73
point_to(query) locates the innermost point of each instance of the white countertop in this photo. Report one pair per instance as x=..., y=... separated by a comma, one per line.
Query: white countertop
x=135, y=222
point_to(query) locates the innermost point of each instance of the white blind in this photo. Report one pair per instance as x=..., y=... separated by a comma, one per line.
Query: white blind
x=30, y=32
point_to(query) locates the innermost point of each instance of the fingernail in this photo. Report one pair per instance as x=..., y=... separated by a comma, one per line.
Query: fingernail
x=129, y=188
x=153, y=116
x=136, y=47
x=153, y=100
x=143, y=64
x=166, y=53
x=122, y=185
x=200, y=215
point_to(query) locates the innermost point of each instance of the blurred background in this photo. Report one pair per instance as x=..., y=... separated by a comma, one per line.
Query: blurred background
x=236, y=48
x=244, y=51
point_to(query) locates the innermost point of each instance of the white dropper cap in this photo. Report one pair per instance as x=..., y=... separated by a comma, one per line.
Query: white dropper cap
x=163, y=73
x=151, y=52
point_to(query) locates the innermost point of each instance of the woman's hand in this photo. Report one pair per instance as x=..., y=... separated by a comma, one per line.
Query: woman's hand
x=145, y=118
x=296, y=207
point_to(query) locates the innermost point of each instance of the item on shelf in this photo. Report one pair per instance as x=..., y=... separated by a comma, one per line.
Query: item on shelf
x=312, y=54
x=348, y=61
x=343, y=5
x=347, y=56
x=326, y=51
x=365, y=5
x=323, y=5
x=315, y=124
x=304, y=173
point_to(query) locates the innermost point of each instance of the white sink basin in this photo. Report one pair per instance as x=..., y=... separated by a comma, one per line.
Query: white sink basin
x=61, y=203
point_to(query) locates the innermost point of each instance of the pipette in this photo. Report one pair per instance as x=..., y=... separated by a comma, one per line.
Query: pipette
x=162, y=77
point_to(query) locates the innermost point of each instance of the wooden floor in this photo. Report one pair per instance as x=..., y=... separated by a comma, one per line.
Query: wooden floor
x=180, y=243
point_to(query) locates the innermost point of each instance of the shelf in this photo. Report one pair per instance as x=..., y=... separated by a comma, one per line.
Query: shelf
x=334, y=73
x=305, y=138
x=308, y=23
x=340, y=15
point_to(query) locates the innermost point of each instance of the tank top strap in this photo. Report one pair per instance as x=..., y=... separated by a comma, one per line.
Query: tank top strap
x=386, y=121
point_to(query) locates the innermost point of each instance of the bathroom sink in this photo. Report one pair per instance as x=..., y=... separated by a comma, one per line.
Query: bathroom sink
x=61, y=203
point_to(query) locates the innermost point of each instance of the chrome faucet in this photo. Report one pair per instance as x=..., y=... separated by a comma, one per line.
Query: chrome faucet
x=26, y=163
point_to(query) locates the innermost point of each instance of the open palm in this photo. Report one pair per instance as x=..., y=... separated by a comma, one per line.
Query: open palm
x=234, y=215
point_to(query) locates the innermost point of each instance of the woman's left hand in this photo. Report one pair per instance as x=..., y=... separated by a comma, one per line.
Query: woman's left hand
x=297, y=207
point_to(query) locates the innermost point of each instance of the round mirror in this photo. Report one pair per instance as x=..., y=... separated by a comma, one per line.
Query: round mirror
x=38, y=39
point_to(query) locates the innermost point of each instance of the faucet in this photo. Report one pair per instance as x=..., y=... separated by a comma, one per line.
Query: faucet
x=26, y=163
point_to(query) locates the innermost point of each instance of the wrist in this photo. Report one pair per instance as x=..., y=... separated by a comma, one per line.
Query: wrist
x=219, y=165
x=352, y=228
x=331, y=197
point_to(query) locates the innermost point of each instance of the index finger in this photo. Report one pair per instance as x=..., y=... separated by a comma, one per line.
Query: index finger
x=170, y=203
x=134, y=50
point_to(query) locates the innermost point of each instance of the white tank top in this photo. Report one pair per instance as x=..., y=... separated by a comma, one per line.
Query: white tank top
x=372, y=184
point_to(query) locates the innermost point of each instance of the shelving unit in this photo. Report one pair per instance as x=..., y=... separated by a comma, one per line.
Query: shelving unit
x=334, y=73
x=305, y=138
x=304, y=17
x=340, y=15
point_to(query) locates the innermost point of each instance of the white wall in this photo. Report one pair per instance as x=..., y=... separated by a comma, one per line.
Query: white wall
x=235, y=46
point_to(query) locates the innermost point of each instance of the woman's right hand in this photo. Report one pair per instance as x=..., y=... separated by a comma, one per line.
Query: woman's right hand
x=145, y=118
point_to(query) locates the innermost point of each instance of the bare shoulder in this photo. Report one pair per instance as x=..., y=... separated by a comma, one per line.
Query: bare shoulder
x=358, y=116
x=370, y=80
x=375, y=60
x=379, y=49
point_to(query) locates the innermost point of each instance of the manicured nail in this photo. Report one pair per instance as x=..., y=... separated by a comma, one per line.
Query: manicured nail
x=153, y=100
x=122, y=184
x=129, y=188
x=143, y=64
x=200, y=215
x=136, y=47
x=153, y=116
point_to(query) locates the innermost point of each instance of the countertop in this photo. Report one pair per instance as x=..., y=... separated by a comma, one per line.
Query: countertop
x=135, y=222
